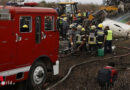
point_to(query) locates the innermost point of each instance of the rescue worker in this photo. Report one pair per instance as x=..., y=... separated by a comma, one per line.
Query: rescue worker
x=82, y=40
x=74, y=19
x=79, y=28
x=61, y=26
x=79, y=17
x=65, y=28
x=25, y=28
x=48, y=23
x=78, y=40
x=86, y=23
x=108, y=40
x=79, y=13
x=100, y=36
x=24, y=25
x=107, y=76
x=92, y=40
x=72, y=37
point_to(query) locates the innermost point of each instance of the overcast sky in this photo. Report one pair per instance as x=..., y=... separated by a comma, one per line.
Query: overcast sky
x=80, y=1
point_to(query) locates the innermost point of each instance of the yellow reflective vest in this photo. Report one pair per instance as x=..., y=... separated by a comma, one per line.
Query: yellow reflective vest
x=78, y=39
x=92, y=38
x=109, y=35
x=79, y=14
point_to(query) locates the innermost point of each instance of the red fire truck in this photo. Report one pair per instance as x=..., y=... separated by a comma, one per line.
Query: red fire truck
x=29, y=42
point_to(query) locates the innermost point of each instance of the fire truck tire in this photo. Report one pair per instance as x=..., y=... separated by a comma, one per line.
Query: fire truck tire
x=37, y=76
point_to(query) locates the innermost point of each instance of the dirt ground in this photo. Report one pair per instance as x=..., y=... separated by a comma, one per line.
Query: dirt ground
x=84, y=77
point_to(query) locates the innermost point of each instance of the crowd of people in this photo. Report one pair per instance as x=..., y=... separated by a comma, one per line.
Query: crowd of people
x=85, y=34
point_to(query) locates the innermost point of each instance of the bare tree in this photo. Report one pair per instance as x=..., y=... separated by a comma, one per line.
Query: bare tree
x=3, y=2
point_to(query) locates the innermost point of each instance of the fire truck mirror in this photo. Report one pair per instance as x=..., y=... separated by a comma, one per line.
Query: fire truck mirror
x=25, y=24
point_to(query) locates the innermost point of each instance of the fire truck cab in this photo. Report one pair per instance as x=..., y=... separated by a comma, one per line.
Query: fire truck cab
x=29, y=42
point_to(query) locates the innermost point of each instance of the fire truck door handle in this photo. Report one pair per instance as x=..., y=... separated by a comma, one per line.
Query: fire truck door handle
x=17, y=37
x=43, y=35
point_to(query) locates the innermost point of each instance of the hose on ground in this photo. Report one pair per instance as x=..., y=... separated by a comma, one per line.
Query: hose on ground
x=74, y=66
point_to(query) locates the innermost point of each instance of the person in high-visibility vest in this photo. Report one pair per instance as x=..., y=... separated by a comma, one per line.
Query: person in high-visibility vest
x=79, y=17
x=100, y=36
x=60, y=24
x=108, y=40
x=81, y=40
x=92, y=40
x=65, y=28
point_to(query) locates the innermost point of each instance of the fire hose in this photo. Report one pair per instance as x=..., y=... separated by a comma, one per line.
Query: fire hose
x=86, y=62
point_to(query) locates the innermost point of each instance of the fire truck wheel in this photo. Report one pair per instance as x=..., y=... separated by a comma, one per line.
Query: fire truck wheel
x=37, y=75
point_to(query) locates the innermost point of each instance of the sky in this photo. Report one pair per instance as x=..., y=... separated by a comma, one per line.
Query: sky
x=80, y=1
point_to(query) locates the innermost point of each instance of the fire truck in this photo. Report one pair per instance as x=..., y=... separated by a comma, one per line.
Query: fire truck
x=29, y=42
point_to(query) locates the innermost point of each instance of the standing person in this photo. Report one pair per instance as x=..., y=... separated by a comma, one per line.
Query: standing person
x=81, y=40
x=108, y=40
x=107, y=76
x=72, y=37
x=79, y=17
x=92, y=40
x=69, y=18
x=100, y=36
x=60, y=24
x=65, y=28
x=86, y=23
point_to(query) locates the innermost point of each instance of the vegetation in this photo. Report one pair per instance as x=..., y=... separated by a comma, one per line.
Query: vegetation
x=82, y=7
x=90, y=7
x=3, y=2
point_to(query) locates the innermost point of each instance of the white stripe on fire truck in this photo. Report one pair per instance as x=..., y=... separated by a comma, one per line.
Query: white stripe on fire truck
x=15, y=71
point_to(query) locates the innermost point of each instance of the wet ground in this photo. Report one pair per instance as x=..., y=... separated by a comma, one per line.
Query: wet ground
x=84, y=77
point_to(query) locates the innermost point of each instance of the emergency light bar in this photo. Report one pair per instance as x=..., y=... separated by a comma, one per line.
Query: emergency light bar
x=32, y=4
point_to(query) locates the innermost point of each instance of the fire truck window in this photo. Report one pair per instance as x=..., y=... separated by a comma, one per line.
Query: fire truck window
x=25, y=24
x=38, y=29
x=49, y=23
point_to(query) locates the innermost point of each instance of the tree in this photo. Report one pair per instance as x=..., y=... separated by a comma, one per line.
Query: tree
x=3, y=2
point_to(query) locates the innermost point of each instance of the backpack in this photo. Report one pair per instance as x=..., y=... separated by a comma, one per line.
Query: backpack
x=104, y=75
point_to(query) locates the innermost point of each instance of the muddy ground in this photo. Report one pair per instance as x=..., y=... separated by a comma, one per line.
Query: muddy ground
x=84, y=77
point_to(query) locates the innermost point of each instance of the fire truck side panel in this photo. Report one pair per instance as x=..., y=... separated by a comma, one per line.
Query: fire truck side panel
x=51, y=39
x=7, y=45
x=19, y=48
x=26, y=41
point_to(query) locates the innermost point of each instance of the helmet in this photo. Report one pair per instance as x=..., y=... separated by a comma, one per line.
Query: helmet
x=93, y=27
x=71, y=25
x=25, y=26
x=63, y=15
x=79, y=15
x=74, y=27
x=83, y=29
x=65, y=19
x=79, y=27
x=58, y=17
x=100, y=26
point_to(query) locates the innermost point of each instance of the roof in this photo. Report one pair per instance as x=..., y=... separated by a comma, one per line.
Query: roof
x=68, y=3
x=14, y=9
